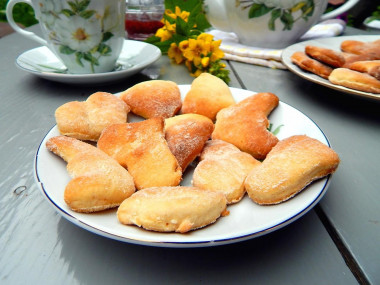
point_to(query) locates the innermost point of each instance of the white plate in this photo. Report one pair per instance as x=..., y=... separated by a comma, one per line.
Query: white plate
x=246, y=219
x=375, y=24
x=134, y=57
x=331, y=43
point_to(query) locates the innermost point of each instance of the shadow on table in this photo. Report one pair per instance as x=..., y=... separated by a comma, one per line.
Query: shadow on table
x=333, y=100
x=277, y=256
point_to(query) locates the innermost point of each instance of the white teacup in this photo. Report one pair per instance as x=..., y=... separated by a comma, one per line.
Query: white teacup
x=86, y=35
x=269, y=23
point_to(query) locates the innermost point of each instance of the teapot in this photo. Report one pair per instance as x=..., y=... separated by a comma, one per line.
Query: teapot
x=269, y=23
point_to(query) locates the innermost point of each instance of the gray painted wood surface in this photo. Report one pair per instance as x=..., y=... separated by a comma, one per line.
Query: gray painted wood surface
x=352, y=124
x=39, y=246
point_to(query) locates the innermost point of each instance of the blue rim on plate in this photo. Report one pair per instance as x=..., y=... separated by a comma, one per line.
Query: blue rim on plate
x=247, y=220
x=134, y=57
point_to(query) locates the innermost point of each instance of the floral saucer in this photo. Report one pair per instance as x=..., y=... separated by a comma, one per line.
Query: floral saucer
x=134, y=57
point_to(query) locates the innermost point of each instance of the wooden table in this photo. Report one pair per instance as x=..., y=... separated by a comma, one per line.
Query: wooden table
x=335, y=243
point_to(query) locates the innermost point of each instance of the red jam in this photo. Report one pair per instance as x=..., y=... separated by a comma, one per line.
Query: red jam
x=142, y=27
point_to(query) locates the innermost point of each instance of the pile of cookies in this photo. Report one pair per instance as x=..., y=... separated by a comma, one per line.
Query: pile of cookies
x=356, y=65
x=138, y=166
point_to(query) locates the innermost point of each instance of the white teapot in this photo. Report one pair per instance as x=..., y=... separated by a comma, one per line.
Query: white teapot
x=269, y=23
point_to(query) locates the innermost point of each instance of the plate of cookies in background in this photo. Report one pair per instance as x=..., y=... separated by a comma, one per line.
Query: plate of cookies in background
x=350, y=64
x=170, y=165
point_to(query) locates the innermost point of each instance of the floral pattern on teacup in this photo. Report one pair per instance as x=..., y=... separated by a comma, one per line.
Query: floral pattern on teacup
x=286, y=11
x=79, y=30
x=49, y=9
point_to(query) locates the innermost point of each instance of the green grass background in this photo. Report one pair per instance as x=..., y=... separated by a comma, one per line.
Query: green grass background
x=22, y=13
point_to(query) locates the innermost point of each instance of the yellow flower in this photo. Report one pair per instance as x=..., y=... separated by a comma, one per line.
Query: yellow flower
x=205, y=61
x=196, y=49
x=205, y=37
x=175, y=53
x=217, y=53
x=170, y=14
x=170, y=27
x=183, y=45
x=182, y=14
x=199, y=52
x=178, y=13
x=163, y=34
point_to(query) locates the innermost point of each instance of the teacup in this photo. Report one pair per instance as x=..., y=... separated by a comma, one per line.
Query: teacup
x=86, y=35
x=269, y=23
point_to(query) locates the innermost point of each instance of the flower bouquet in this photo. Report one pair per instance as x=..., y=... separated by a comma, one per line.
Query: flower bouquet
x=184, y=40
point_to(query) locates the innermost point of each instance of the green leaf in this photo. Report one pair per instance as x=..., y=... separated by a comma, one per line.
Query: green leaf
x=169, y=19
x=307, y=13
x=95, y=61
x=308, y=9
x=73, y=6
x=66, y=50
x=194, y=33
x=78, y=58
x=87, y=14
x=195, y=10
x=191, y=21
x=164, y=46
x=104, y=49
x=277, y=130
x=107, y=36
x=287, y=19
x=258, y=10
x=82, y=5
x=169, y=4
x=179, y=38
x=218, y=70
x=68, y=12
x=372, y=18
x=153, y=40
x=181, y=27
x=193, y=67
x=88, y=57
x=202, y=23
x=22, y=13
x=274, y=16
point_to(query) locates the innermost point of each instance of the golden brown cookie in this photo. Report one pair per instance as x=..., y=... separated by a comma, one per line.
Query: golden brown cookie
x=355, y=80
x=155, y=98
x=372, y=67
x=142, y=149
x=186, y=135
x=172, y=209
x=86, y=120
x=351, y=46
x=98, y=183
x=223, y=167
x=351, y=58
x=371, y=49
x=306, y=63
x=325, y=55
x=245, y=124
x=207, y=96
x=292, y=164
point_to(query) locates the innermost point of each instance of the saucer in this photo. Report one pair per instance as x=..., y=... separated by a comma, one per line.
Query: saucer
x=134, y=57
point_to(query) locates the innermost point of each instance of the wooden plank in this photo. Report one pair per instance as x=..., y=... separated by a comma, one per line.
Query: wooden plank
x=352, y=125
